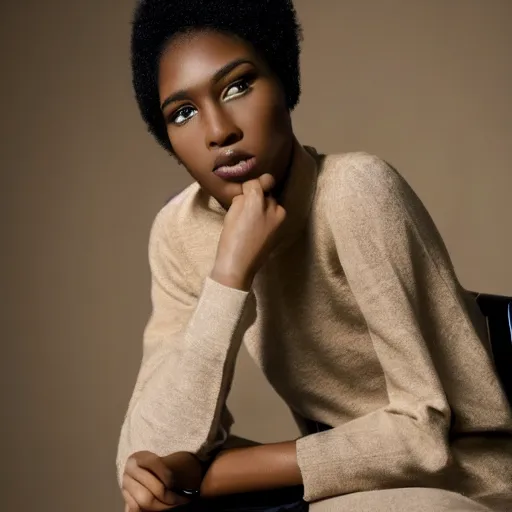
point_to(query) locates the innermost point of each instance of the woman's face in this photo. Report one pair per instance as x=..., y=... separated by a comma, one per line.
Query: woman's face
x=225, y=112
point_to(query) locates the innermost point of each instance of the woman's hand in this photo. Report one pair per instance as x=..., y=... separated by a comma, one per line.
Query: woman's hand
x=149, y=480
x=248, y=234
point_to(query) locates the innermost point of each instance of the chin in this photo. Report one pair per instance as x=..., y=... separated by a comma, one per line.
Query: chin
x=230, y=191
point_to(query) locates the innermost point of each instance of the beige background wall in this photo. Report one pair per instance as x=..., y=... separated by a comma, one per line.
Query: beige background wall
x=424, y=83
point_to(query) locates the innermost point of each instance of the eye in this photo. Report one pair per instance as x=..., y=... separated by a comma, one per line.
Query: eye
x=238, y=89
x=182, y=115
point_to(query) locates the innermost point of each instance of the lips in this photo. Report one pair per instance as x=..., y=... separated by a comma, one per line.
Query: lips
x=234, y=164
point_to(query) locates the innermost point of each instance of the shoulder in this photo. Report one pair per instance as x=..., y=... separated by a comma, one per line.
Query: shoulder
x=362, y=185
x=358, y=174
x=168, y=223
x=185, y=233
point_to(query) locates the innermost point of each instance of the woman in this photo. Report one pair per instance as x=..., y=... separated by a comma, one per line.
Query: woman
x=331, y=272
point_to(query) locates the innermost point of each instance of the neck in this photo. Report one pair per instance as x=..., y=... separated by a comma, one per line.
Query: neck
x=278, y=190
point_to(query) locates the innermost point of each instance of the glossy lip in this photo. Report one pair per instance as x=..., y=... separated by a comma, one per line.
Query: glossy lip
x=234, y=164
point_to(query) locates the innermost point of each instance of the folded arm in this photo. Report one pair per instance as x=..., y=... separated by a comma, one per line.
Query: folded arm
x=189, y=354
x=400, y=273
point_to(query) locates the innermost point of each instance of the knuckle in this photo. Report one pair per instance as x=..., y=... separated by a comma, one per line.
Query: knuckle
x=124, y=482
x=252, y=185
x=144, y=456
x=137, y=456
x=143, y=498
x=127, y=500
x=130, y=465
x=159, y=491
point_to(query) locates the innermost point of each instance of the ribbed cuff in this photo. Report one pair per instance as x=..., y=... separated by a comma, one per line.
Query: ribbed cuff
x=311, y=460
x=217, y=318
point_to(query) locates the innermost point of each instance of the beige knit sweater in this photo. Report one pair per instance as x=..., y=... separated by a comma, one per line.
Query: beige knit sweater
x=357, y=320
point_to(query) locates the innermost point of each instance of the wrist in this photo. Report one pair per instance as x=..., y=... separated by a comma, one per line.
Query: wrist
x=231, y=279
x=186, y=468
x=252, y=469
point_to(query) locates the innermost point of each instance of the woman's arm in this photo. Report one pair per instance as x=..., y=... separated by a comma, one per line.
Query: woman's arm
x=253, y=468
x=189, y=354
x=402, y=278
x=191, y=343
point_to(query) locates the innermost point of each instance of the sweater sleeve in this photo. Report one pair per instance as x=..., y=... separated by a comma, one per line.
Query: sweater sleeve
x=399, y=271
x=190, y=346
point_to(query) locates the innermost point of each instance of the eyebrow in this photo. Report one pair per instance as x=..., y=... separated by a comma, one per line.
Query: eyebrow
x=219, y=75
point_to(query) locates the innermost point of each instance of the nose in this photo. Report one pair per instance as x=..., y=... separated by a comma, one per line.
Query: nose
x=220, y=128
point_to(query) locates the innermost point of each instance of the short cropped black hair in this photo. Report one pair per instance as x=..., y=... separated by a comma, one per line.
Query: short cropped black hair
x=271, y=27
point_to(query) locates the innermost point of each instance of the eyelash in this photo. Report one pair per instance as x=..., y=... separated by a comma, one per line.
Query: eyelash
x=247, y=81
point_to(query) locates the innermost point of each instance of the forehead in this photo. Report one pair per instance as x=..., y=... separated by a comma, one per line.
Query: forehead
x=192, y=59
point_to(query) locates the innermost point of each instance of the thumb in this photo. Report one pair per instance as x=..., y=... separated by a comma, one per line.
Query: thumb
x=267, y=182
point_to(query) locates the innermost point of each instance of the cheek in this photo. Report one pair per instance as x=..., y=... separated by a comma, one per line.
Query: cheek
x=265, y=115
x=184, y=142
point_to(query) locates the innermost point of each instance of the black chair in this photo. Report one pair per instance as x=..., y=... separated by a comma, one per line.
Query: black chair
x=498, y=311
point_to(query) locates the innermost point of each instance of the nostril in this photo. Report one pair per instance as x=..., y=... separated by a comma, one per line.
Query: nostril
x=231, y=139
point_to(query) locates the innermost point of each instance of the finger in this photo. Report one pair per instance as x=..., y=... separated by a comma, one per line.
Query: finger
x=271, y=202
x=273, y=205
x=131, y=504
x=252, y=186
x=143, y=497
x=239, y=191
x=237, y=199
x=160, y=493
x=281, y=212
x=155, y=465
x=278, y=213
x=152, y=483
x=267, y=182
